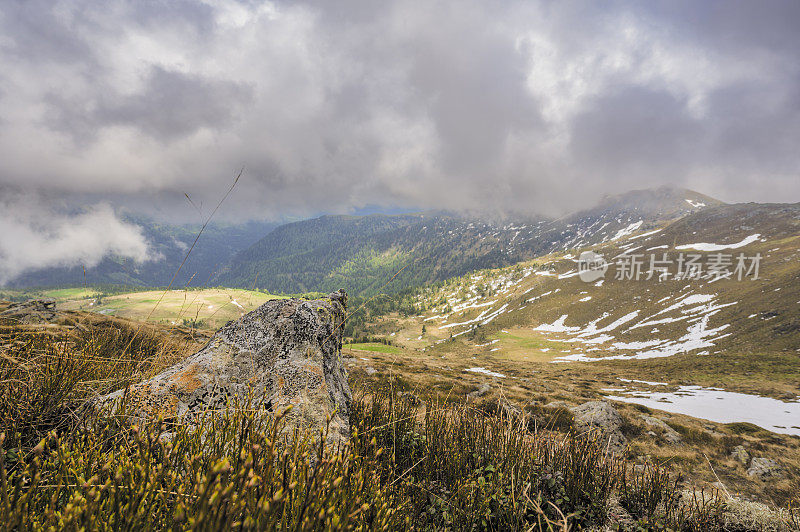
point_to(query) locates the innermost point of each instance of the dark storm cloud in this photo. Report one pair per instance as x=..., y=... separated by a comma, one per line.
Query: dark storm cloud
x=512, y=106
x=171, y=105
x=643, y=136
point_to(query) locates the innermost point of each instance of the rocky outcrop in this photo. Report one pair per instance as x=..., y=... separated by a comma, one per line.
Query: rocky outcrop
x=741, y=455
x=32, y=311
x=600, y=416
x=765, y=469
x=285, y=352
x=482, y=390
x=669, y=434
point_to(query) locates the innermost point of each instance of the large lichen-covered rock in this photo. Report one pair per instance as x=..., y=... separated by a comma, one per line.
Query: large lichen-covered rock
x=285, y=352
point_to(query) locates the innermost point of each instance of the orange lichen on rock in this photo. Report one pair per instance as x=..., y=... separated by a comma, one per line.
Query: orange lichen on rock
x=187, y=379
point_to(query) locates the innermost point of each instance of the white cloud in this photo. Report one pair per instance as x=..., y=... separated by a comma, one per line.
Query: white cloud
x=34, y=235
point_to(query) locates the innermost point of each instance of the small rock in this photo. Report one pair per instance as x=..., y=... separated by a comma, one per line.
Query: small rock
x=370, y=370
x=765, y=469
x=741, y=455
x=557, y=404
x=482, y=390
x=600, y=415
x=670, y=435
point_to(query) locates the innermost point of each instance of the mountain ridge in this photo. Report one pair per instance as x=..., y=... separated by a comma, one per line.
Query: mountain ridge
x=369, y=253
x=434, y=246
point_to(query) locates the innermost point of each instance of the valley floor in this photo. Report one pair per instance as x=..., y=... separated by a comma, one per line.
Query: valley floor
x=510, y=367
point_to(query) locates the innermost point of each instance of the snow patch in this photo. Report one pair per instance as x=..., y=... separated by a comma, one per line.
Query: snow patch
x=625, y=231
x=722, y=407
x=485, y=372
x=704, y=246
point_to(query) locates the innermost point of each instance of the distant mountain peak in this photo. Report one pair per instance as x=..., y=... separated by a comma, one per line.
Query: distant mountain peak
x=665, y=197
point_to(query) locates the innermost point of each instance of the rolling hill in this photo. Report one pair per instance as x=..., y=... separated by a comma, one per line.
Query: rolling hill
x=696, y=365
x=362, y=254
x=627, y=315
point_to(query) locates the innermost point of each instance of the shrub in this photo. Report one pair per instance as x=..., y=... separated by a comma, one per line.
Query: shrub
x=544, y=418
x=455, y=467
x=692, y=435
x=452, y=467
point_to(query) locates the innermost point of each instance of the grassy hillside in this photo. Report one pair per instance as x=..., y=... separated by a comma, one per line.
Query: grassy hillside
x=407, y=466
x=535, y=333
x=363, y=254
x=206, y=308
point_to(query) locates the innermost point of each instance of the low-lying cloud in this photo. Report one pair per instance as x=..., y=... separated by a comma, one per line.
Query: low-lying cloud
x=35, y=235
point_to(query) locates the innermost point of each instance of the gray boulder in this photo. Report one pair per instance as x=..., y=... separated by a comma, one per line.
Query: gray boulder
x=668, y=433
x=741, y=455
x=412, y=398
x=285, y=352
x=601, y=417
x=765, y=469
x=31, y=311
x=482, y=390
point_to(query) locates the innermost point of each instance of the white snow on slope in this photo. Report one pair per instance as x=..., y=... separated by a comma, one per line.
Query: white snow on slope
x=698, y=336
x=557, y=326
x=625, y=231
x=705, y=246
x=485, y=372
x=722, y=406
x=694, y=204
x=650, y=383
x=693, y=309
x=645, y=234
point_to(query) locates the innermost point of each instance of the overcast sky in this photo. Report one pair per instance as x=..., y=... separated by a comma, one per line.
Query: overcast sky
x=334, y=106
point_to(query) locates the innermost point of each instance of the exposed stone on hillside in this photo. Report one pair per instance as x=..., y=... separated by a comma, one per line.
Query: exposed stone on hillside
x=31, y=311
x=741, y=455
x=668, y=433
x=601, y=416
x=765, y=469
x=482, y=390
x=412, y=398
x=285, y=352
